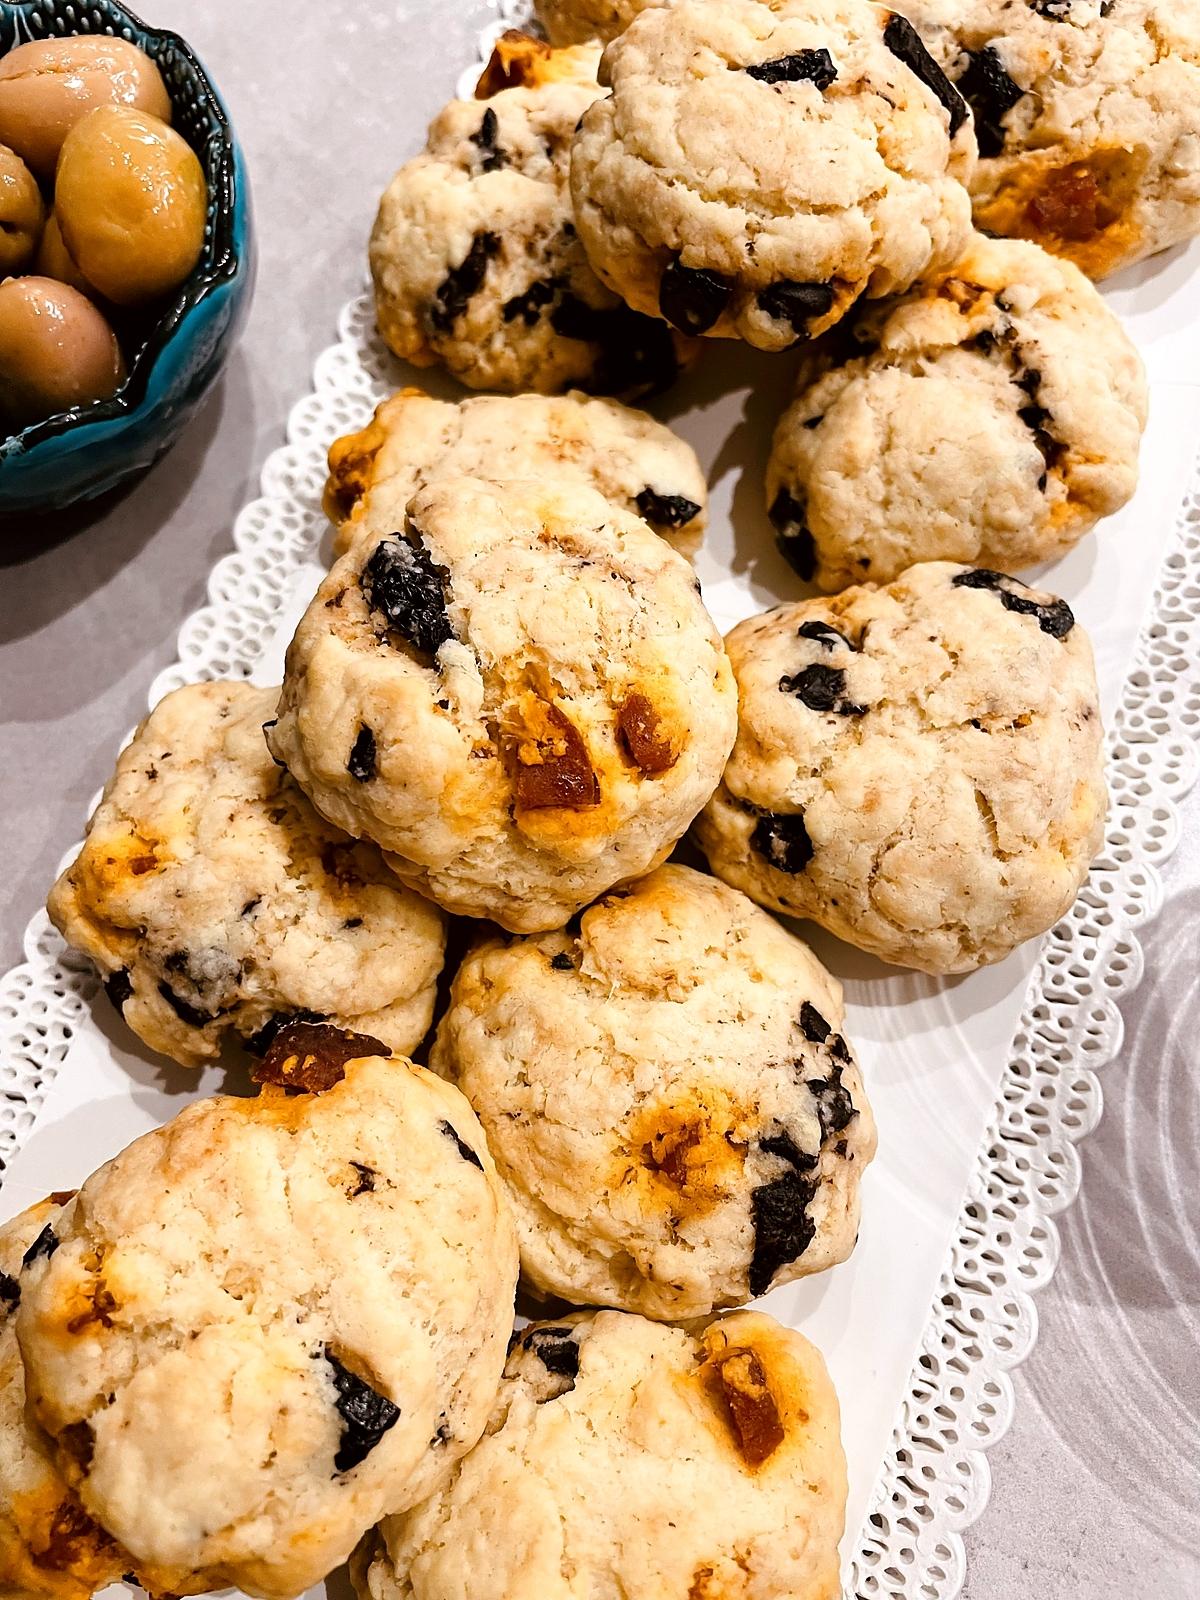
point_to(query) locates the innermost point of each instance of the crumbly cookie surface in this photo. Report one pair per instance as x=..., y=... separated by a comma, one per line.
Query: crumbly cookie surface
x=476, y=261
x=624, y=1457
x=49, y=1546
x=1085, y=111
x=214, y=900
x=669, y=1096
x=569, y=22
x=270, y=1321
x=918, y=767
x=757, y=168
x=546, y=700
x=634, y=461
x=992, y=417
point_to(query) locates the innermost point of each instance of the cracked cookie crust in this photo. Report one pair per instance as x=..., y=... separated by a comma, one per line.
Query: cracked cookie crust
x=918, y=766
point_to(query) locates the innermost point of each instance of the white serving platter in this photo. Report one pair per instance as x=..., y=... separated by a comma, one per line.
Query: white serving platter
x=981, y=1085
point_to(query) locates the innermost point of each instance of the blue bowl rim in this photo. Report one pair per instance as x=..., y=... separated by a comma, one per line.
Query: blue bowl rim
x=203, y=281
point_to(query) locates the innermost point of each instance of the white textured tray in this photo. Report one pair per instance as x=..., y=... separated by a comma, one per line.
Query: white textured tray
x=982, y=1086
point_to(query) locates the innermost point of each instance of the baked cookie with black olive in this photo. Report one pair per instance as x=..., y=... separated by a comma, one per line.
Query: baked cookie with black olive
x=49, y=1545
x=919, y=766
x=992, y=416
x=271, y=1321
x=630, y=458
x=670, y=1097
x=1085, y=112
x=476, y=261
x=758, y=168
x=628, y=1458
x=519, y=696
x=215, y=901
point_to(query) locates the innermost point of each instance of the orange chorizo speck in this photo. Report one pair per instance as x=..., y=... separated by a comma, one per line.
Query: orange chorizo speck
x=1068, y=205
x=553, y=765
x=640, y=730
x=312, y=1056
x=749, y=1404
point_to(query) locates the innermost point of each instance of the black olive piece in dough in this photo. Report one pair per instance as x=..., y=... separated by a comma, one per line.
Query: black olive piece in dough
x=530, y=304
x=462, y=283
x=823, y=634
x=835, y=1108
x=666, y=510
x=693, y=298
x=404, y=584
x=10, y=1292
x=991, y=94
x=366, y=1415
x=361, y=765
x=804, y=66
x=464, y=1149
x=118, y=986
x=795, y=542
x=813, y=1025
x=1056, y=618
x=556, y=1349
x=192, y=1015
x=783, y=842
x=484, y=138
x=45, y=1244
x=782, y=1144
x=259, y=1043
x=821, y=688
x=796, y=303
x=562, y=962
x=905, y=43
x=783, y=1230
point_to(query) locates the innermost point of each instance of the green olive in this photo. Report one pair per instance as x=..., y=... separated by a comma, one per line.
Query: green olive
x=48, y=85
x=54, y=260
x=21, y=213
x=56, y=351
x=131, y=199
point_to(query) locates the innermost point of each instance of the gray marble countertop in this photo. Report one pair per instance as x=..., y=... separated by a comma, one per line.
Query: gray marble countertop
x=1096, y=1488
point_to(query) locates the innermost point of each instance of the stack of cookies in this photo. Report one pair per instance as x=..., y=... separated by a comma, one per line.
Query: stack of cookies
x=274, y=1330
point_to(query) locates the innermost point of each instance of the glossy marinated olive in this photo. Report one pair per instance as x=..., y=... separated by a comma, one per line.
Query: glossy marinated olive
x=21, y=213
x=130, y=198
x=54, y=260
x=48, y=85
x=56, y=351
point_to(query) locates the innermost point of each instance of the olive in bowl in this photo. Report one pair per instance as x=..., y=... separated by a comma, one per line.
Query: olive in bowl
x=171, y=279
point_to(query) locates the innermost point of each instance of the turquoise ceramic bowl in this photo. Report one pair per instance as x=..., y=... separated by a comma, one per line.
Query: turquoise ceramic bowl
x=176, y=358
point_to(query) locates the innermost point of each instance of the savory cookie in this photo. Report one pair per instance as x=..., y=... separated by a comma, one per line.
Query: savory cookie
x=669, y=1098
x=757, y=168
x=992, y=416
x=214, y=899
x=627, y=1458
x=49, y=1546
x=575, y=21
x=475, y=256
x=520, y=697
x=918, y=767
x=630, y=458
x=269, y=1322
x=1086, y=115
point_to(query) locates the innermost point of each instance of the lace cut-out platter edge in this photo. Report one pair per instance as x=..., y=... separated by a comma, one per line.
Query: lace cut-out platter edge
x=935, y=1480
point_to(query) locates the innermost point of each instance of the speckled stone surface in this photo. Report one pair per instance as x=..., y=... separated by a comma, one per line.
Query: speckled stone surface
x=1097, y=1486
